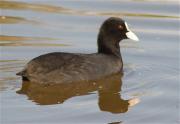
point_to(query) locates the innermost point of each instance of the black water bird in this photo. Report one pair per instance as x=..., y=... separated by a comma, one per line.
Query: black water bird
x=60, y=67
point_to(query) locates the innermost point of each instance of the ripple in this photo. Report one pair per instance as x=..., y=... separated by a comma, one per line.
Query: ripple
x=32, y=44
x=158, y=31
x=62, y=10
x=140, y=80
x=8, y=68
x=21, y=38
x=14, y=20
x=22, y=41
x=136, y=15
x=28, y=6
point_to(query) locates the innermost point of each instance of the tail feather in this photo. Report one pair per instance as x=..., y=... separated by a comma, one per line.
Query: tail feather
x=21, y=73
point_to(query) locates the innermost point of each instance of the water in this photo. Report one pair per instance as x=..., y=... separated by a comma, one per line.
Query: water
x=147, y=93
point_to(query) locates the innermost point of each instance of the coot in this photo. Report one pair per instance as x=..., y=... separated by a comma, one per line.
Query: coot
x=60, y=67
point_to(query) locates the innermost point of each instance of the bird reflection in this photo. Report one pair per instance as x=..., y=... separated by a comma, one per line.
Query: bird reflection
x=108, y=91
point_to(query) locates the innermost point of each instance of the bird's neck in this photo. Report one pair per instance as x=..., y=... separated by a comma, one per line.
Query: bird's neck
x=108, y=46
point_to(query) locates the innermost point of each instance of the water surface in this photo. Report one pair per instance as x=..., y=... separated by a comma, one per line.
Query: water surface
x=148, y=92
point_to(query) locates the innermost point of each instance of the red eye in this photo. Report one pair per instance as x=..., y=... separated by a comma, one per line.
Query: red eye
x=120, y=27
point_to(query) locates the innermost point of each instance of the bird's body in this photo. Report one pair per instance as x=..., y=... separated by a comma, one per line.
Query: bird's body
x=62, y=67
x=69, y=67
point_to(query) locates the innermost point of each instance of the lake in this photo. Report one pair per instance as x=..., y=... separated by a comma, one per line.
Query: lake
x=147, y=93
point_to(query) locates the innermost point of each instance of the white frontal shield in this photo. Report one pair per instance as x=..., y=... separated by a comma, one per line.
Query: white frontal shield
x=130, y=34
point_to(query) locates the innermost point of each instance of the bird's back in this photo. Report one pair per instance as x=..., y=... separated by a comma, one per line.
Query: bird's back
x=68, y=67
